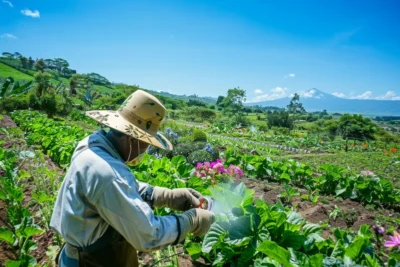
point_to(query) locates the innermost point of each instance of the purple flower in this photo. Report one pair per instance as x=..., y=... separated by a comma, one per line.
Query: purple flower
x=378, y=229
x=199, y=165
x=394, y=241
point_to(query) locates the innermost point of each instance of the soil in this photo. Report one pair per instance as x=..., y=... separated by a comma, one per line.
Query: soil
x=355, y=213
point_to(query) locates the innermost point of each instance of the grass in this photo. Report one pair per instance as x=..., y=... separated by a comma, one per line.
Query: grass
x=6, y=71
x=382, y=165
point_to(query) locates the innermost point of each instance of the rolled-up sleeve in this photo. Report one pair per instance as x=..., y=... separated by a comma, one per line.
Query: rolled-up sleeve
x=122, y=207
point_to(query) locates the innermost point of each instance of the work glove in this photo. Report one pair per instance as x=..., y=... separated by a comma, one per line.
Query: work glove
x=196, y=221
x=180, y=199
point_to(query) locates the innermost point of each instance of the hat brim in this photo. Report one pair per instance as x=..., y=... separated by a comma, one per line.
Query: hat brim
x=113, y=119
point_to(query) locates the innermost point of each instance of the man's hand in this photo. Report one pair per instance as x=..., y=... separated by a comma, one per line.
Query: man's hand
x=181, y=199
x=196, y=221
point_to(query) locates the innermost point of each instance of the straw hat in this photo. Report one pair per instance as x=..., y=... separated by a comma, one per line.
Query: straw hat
x=139, y=116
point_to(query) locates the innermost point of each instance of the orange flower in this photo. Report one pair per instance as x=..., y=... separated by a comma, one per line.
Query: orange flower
x=386, y=153
x=365, y=145
x=393, y=150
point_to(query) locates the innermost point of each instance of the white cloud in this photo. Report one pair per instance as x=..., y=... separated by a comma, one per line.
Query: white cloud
x=275, y=93
x=8, y=3
x=258, y=91
x=309, y=94
x=365, y=95
x=390, y=95
x=8, y=36
x=30, y=13
x=290, y=75
x=339, y=94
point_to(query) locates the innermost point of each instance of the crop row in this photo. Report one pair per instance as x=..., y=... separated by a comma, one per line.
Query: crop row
x=365, y=187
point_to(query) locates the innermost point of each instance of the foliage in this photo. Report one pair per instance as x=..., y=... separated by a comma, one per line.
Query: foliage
x=356, y=127
x=42, y=80
x=199, y=156
x=280, y=119
x=199, y=135
x=295, y=107
x=233, y=103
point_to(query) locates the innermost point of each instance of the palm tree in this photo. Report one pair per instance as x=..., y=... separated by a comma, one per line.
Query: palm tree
x=40, y=65
x=42, y=82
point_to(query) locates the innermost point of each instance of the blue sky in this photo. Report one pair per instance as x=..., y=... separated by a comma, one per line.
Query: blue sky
x=269, y=48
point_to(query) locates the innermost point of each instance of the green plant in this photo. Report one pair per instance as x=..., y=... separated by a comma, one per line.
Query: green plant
x=199, y=135
x=288, y=193
x=199, y=156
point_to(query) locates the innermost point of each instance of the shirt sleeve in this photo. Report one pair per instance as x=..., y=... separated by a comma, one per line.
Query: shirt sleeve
x=122, y=207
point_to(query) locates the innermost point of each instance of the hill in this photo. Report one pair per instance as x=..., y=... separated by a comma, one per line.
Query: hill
x=7, y=71
x=317, y=100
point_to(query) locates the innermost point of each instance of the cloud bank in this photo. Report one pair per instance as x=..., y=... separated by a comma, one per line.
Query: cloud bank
x=30, y=13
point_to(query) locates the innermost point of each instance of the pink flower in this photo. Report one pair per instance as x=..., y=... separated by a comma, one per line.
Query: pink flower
x=367, y=173
x=394, y=242
x=199, y=165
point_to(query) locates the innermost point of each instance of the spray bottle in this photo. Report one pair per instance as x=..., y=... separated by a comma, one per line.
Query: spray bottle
x=206, y=203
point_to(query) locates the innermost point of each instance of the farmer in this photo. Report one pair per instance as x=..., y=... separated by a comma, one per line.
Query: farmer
x=105, y=214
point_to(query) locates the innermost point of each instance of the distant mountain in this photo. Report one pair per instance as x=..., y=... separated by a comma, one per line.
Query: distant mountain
x=206, y=99
x=317, y=100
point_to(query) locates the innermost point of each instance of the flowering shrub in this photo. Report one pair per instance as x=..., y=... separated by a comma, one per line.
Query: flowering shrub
x=367, y=173
x=209, y=149
x=212, y=169
x=171, y=133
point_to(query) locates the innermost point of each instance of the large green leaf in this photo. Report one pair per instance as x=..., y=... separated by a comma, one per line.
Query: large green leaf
x=212, y=237
x=339, y=250
x=295, y=218
x=311, y=228
x=14, y=264
x=240, y=228
x=298, y=259
x=356, y=249
x=7, y=235
x=316, y=260
x=292, y=240
x=276, y=252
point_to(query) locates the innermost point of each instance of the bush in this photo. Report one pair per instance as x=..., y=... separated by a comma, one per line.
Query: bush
x=199, y=135
x=14, y=103
x=49, y=104
x=34, y=102
x=183, y=149
x=199, y=156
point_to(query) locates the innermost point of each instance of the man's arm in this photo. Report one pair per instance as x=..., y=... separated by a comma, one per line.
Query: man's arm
x=145, y=192
x=122, y=207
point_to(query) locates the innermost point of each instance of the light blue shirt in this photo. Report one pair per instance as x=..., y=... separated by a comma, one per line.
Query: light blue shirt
x=99, y=190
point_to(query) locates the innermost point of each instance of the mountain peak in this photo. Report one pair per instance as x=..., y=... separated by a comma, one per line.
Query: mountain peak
x=316, y=93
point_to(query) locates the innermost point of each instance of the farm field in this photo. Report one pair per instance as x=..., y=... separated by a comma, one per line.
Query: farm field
x=279, y=207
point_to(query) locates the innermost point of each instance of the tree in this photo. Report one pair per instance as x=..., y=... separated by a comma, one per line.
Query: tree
x=219, y=100
x=7, y=55
x=42, y=82
x=295, y=107
x=233, y=103
x=30, y=63
x=280, y=119
x=24, y=62
x=193, y=102
x=40, y=65
x=357, y=127
x=61, y=65
x=17, y=55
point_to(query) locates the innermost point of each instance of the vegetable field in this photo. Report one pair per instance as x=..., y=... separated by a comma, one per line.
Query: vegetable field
x=278, y=203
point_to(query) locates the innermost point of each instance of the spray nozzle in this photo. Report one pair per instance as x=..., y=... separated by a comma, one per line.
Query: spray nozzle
x=206, y=203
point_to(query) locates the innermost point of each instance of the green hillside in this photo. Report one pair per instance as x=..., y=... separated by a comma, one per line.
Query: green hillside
x=6, y=71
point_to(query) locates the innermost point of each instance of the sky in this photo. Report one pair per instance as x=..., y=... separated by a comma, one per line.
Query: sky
x=349, y=48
